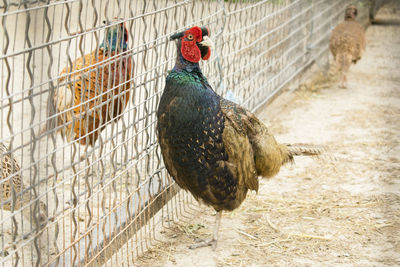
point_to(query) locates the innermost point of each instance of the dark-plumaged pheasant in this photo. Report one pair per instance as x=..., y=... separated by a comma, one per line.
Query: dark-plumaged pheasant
x=211, y=146
x=347, y=43
x=10, y=180
x=95, y=90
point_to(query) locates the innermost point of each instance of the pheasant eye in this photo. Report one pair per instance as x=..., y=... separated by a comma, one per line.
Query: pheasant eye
x=190, y=37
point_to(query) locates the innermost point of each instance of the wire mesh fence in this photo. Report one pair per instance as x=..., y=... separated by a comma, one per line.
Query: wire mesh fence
x=82, y=177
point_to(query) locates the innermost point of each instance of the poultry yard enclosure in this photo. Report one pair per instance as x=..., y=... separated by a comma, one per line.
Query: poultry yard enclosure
x=104, y=200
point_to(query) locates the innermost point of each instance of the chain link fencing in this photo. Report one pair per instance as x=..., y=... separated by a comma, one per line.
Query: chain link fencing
x=67, y=204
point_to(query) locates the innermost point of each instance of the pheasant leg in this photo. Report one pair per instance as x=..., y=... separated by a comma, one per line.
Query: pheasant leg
x=213, y=241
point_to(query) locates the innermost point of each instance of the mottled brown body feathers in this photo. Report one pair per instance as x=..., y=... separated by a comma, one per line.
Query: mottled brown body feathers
x=267, y=155
x=10, y=167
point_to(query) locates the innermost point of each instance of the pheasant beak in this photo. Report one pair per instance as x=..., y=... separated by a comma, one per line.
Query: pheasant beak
x=207, y=42
x=205, y=47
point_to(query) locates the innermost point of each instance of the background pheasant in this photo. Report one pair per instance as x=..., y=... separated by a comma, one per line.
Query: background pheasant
x=8, y=167
x=96, y=89
x=347, y=43
x=211, y=146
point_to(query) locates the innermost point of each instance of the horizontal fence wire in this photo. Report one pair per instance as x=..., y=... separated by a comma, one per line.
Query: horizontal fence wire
x=81, y=191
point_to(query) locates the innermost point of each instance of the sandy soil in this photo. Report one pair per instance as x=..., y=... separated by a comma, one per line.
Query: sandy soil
x=319, y=211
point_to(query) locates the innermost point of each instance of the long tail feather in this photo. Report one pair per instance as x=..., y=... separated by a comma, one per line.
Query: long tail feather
x=305, y=150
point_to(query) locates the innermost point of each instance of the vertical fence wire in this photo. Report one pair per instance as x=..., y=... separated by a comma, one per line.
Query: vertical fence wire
x=83, y=202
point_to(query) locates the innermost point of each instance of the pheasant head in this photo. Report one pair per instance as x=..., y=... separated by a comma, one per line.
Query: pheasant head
x=116, y=38
x=193, y=45
x=350, y=13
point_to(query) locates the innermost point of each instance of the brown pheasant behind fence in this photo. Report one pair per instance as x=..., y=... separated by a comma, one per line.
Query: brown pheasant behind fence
x=11, y=180
x=95, y=90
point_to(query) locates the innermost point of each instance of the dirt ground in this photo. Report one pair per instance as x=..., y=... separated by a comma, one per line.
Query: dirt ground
x=324, y=211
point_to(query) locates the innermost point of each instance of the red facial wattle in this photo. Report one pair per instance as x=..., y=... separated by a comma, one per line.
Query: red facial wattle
x=189, y=49
x=207, y=56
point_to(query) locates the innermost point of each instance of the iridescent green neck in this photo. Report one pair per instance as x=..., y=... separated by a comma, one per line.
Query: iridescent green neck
x=115, y=39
